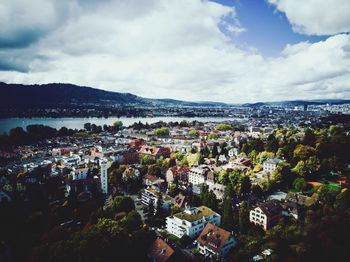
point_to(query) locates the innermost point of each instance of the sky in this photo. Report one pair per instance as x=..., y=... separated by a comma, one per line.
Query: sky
x=233, y=51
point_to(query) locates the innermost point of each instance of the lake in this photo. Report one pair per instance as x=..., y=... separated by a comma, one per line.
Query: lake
x=78, y=122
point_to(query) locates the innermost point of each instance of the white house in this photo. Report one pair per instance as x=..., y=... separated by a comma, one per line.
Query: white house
x=271, y=164
x=79, y=173
x=197, y=175
x=150, y=195
x=191, y=221
x=266, y=214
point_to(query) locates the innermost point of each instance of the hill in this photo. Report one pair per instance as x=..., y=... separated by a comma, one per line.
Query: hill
x=58, y=94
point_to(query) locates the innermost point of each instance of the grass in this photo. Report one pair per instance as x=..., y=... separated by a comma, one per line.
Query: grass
x=202, y=212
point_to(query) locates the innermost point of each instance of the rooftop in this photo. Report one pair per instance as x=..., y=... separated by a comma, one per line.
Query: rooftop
x=213, y=237
x=160, y=251
x=195, y=213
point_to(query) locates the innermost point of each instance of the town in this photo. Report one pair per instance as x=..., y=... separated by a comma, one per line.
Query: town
x=182, y=191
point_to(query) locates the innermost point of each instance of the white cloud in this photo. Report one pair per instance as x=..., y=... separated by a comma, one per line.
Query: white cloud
x=175, y=49
x=316, y=17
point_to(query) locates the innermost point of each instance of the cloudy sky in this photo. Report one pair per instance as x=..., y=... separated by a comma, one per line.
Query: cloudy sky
x=222, y=50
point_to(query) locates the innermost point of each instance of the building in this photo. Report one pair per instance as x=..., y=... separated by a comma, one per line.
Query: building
x=154, y=151
x=198, y=175
x=180, y=200
x=160, y=251
x=150, y=195
x=218, y=190
x=104, y=177
x=266, y=214
x=215, y=242
x=271, y=164
x=191, y=221
x=176, y=173
x=79, y=173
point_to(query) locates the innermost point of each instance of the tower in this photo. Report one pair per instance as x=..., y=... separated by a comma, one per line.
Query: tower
x=104, y=177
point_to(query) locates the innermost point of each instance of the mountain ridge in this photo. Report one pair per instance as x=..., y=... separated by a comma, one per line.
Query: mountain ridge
x=58, y=94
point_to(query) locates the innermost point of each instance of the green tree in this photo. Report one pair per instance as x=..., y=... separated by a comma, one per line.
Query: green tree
x=194, y=133
x=244, y=185
x=133, y=221
x=117, y=124
x=213, y=135
x=227, y=214
x=300, y=184
x=147, y=160
x=223, y=127
x=161, y=132
x=243, y=217
x=122, y=203
x=87, y=127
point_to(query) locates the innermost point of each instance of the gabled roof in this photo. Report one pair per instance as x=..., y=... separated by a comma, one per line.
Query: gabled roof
x=213, y=237
x=270, y=208
x=160, y=251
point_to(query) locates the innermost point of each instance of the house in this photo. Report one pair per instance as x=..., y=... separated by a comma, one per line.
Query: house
x=222, y=158
x=154, y=151
x=218, y=190
x=233, y=152
x=198, y=175
x=266, y=214
x=180, y=200
x=271, y=164
x=149, y=180
x=131, y=173
x=292, y=209
x=160, y=251
x=241, y=163
x=79, y=173
x=215, y=242
x=211, y=178
x=301, y=200
x=177, y=173
x=150, y=195
x=191, y=221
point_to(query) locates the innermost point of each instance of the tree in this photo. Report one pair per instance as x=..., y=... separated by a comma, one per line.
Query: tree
x=150, y=209
x=87, y=127
x=172, y=190
x=309, y=138
x=213, y=135
x=223, y=127
x=303, y=152
x=194, y=133
x=300, y=184
x=133, y=221
x=257, y=191
x=245, y=185
x=147, y=160
x=172, y=162
x=243, y=217
x=227, y=214
x=161, y=132
x=159, y=208
x=271, y=144
x=117, y=125
x=122, y=203
x=214, y=151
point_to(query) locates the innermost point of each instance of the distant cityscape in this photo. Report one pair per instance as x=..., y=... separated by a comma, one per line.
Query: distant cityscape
x=183, y=191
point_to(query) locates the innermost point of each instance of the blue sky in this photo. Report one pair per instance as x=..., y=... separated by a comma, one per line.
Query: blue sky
x=267, y=29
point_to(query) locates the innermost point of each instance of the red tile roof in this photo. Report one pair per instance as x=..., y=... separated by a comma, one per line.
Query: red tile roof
x=160, y=251
x=213, y=237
